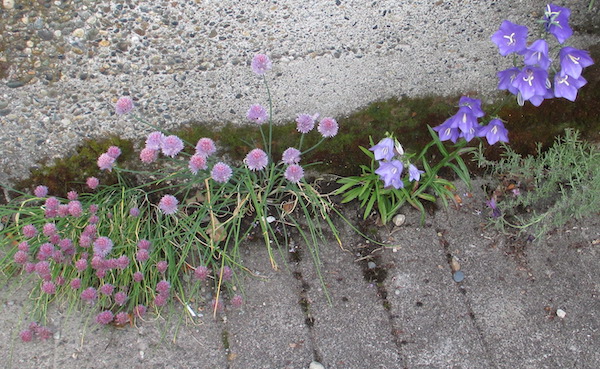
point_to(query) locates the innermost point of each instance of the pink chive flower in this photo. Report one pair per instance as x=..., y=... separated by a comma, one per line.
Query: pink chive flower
x=29, y=231
x=75, y=208
x=30, y=267
x=120, y=298
x=201, y=273
x=49, y=287
x=291, y=156
x=294, y=173
x=85, y=240
x=138, y=276
x=45, y=251
x=142, y=255
x=306, y=122
x=89, y=294
x=124, y=105
x=148, y=155
x=93, y=208
x=160, y=299
x=171, y=145
x=163, y=287
x=102, y=246
x=154, y=140
x=52, y=203
x=106, y=162
x=144, y=244
x=26, y=335
x=261, y=64
x=107, y=289
x=236, y=301
x=257, y=114
x=328, y=127
x=92, y=183
x=221, y=172
x=60, y=280
x=161, y=266
x=134, y=212
x=72, y=195
x=217, y=305
x=23, y=246
x=122, y=318
x=63, y=210
x=122, y=262
x=98, y=262
x=76, y=283
x=256, y=159
x=227, y=273
x=139, y=311
x=205, y=147
x=105, y=317
x=21, y=257
x=168, y=204
x=114, y=152
x=41, y=191
x=49, y=229
x=43, y=333
x=90, y=230
x=197, y=162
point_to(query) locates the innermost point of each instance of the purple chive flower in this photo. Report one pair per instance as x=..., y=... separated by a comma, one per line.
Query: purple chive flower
x=494, y=132
x=105, y=317
x=75, y=283
x=217, y=305
x=40, y=191
x=21, y=257
x=120, y=298
x=201, y=273
x=113, y=151
x=328, y=127
x=294, y=173
x=45, y=251
x=142, y=255
x=23, y=246
x=107, y=289
x=102, y=246
x=163, y=287
x=161, y=266
x=390, y=173
x=257, y=114
x=306, y=122
x=506, y=78
x=197, y=162
x=49, y=229
x=106, y=162
x=221, y=172
x=532, y=81
x=414, y=174
x=384, y=150
x=537, y=54
x=144, y=244
x=510, y=38
x=226, y=273
x=94, y=219
x=81, y=264
x=567, y=86
x=124, y=105
x=30, y=267
x=205, y=147
x=236, y=301
x=49, y=287
x=171, y=145
x=556, y=22
x=29, y=231
x=85, y=240
x=134, y=212
x=160, y=299
x=291, y=156
x=122, y=318
x=122, y=262
x=148, y=155
x=92, y=183
x=138, y=276
x=572, y=61
x=168, y=204
x=261, y=64
x=75, y=208
x=43, y=333
x=154, y=140
x=256, y=159
x=89, y=294
x=93, y=208
x=139, y=311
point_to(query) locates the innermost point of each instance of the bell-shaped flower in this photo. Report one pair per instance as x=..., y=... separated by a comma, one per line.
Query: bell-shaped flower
x=473, y=104
x=446, y=131
x=494, y=132
x=414, y=174
x=572, y=61
x=390, y=172
x=510, y=38
x=537, y=54
x=506, y=78
x=566, y=86
x=556, y=22
x=531, y=81
x=384, y=150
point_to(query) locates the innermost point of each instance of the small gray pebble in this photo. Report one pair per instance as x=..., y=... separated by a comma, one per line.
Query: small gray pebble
x=458, y=276
x=371, y=265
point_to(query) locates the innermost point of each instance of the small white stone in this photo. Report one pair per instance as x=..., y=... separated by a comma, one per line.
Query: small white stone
x=79, y=33
x=399, y=219
x=8, y=4
x=561, y=313
x=316, y=365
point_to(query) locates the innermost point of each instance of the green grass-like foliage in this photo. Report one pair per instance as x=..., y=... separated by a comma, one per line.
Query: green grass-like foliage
x=557, y=185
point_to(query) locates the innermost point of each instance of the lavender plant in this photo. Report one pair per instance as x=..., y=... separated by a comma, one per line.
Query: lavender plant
x=386, y=190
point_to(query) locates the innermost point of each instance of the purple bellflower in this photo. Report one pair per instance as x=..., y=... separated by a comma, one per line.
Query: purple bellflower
x=384, y=150
x=389, y=172
x=506, y=78
x=414, y=174
x=510, y=38
x=566, y=86
x=556, y=22
x=473, y=104
x=537, y=54
x=533, y=85
x=494, y=132
x=572, y=61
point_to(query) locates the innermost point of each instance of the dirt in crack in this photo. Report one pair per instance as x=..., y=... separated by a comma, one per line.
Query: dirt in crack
x=374, y=271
